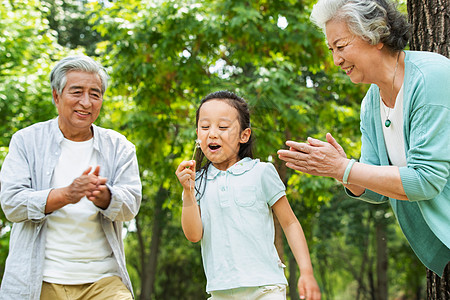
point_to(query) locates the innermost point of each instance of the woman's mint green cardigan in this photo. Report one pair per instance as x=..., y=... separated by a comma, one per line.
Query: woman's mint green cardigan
x=425, y=218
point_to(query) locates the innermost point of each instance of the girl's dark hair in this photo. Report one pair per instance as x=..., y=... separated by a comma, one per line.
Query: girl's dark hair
x=245, y=150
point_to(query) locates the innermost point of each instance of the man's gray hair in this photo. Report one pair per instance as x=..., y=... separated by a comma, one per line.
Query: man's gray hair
x=82, y=63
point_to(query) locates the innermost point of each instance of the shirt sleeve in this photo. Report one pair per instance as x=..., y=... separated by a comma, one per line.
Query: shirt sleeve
x=428, y=164
x=125, y=186
x=369, y=153
x=271, y=184
x=19, y=198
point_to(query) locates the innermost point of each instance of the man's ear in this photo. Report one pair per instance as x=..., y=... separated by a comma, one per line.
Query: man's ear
x=245, y=135
x=55, y=97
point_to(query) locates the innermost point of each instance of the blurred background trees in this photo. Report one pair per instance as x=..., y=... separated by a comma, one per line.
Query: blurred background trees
x=163, y=57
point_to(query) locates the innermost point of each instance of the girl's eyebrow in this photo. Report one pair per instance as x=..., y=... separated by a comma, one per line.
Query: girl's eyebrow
x=221, y=119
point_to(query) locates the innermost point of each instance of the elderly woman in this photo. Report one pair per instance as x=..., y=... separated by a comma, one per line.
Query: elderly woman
x=405, y=123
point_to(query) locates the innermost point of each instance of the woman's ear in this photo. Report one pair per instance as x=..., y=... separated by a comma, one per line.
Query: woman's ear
x=245, y=135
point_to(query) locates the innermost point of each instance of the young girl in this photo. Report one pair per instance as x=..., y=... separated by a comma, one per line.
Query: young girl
x=229, y=208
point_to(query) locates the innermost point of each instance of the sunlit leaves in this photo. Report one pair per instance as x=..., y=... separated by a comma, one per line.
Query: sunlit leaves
x=28, y=48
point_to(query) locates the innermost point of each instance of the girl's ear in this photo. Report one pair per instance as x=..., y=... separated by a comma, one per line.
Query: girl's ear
x=245, y=135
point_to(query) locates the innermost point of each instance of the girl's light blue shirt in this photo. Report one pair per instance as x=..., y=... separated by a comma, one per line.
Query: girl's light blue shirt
x=238, y=231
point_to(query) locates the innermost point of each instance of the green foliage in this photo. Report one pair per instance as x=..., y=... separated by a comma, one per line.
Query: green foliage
x=163, y=57
x=27, y=49
x=345, y=240
x=70, y=20
x=4, y=225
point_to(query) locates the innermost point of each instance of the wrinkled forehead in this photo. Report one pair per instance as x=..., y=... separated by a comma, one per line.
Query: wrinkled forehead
x=83, y=79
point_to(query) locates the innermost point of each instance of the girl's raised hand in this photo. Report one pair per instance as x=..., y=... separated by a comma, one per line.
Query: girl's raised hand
x=186, y=174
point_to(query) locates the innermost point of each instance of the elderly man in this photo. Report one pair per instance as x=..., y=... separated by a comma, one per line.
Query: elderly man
x=67, y=186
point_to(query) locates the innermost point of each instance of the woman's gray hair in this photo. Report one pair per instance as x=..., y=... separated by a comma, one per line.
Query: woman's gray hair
x=82, y=63
x=374, y=21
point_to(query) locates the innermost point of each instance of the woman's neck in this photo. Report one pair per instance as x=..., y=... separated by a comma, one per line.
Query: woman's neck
x=391, y=78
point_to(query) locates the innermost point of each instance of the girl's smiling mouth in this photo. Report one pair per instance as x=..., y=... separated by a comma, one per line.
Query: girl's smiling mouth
x=214, y=147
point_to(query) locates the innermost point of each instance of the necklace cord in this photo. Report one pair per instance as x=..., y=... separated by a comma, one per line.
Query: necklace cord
x=387, y=123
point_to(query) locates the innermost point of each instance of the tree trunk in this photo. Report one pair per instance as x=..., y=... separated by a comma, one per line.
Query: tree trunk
x=431, y=25
x=292, y=280
x=431, y=32
x=382, y=260
x=279, y=243
x=150, y=264
x=279, y=238
x=438, y=288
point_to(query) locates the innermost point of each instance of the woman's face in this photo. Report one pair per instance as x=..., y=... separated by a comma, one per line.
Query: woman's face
x=354, y=55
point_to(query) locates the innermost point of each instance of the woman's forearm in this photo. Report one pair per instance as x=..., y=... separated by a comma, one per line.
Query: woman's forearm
x=384, y=180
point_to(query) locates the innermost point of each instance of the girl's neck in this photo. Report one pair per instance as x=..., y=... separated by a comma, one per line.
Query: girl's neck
x=225, y=165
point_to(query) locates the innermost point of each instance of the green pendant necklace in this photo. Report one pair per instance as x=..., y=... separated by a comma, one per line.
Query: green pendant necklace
x=388, y=122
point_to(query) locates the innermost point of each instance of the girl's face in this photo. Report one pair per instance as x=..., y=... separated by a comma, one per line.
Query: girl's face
x=219, y=132
x=354, y=55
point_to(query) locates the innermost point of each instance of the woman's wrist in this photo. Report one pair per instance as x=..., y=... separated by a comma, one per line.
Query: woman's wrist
x=347, y=171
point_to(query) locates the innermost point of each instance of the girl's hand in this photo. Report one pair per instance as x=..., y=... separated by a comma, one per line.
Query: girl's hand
x=308, y=288
x=186, y=174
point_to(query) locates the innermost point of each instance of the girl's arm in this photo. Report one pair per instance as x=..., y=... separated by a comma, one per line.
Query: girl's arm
x=191, y=221
x=307, y=285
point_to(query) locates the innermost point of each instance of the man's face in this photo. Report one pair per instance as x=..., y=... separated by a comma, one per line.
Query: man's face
x=79, y=104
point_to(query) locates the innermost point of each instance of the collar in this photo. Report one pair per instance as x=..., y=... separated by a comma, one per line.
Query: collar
x=60, y=137
x=56, y=131
x=238, y=168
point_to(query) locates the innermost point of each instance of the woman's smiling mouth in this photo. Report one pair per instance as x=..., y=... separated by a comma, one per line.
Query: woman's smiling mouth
x=349, y=70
